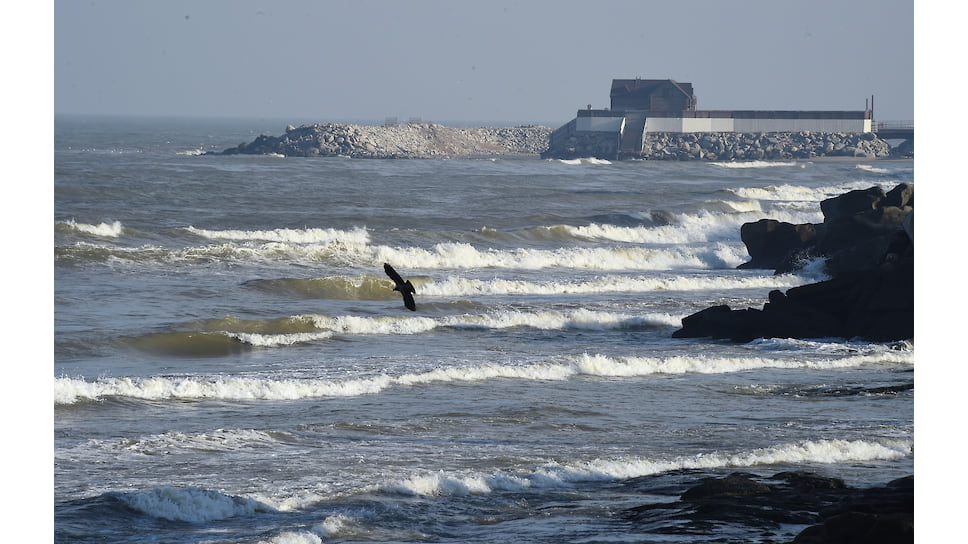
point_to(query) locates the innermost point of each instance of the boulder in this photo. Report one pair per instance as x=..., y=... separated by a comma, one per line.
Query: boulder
x=769, y=241
x=900, y=196
x=869, y=252
x=850, y=203
x=832, y=511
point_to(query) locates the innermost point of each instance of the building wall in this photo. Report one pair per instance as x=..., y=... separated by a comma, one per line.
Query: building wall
x=713, y=124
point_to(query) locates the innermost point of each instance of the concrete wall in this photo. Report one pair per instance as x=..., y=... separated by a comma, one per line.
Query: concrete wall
x=680, y=124
x=600, y=124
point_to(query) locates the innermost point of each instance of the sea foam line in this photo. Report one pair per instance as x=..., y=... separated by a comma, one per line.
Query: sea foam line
x=798, y=193
x=460, y=287
x=69, y=390
x=392, y=325
x=297, y=236
x=565, y=475
x=583, y=160
x=757, y=164
x=193, y=504
x=440, y=256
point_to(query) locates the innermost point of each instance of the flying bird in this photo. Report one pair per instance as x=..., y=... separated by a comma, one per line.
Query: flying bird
x=404, y=287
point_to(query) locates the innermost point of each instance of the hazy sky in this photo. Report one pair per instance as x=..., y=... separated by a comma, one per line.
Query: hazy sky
x=474, y=61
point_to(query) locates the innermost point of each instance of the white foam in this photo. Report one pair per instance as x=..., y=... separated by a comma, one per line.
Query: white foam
x=191, y=504
x=464, y=256
x=349, y=324
x=702, y=226
x=106, y=230
x=873, y=169
x=296, y=236
x=466, y=287
x=544, y=320
x=583, y=160
x=551, y=320
x=293, y=537
x=70, y=390
x=815, y=451
x=441, y=256
x=563, y=475
x=219, y=440
x=757, y=164
x=798, y=193
x=276, y=340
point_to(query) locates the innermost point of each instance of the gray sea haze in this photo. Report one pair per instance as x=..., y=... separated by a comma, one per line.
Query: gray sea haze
x=231, y=364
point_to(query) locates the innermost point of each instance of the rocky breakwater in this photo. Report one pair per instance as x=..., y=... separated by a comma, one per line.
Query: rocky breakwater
x=410, y=141
x=738, y=146
x=867, y=243
x=724, y=146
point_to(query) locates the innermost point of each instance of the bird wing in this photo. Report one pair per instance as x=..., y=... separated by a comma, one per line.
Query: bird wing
x=393, y=274
x=408, y=301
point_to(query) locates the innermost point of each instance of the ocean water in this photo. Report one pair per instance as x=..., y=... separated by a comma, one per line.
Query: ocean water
x=231, y=365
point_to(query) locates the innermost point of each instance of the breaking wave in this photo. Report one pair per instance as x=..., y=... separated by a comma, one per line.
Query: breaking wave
x=105, y=230
x=71, y=390
x=296, y=236
x=191, y=504
x=368, y=287
x=564, y=475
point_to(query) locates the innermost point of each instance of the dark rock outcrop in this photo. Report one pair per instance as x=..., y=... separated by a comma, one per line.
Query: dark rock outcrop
x=867, y=241
x=833, y=511
x=769, y=242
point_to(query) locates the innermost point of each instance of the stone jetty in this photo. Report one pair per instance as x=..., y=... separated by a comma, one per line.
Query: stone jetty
x=403, y=141
x=432, y=140
x=726, y=146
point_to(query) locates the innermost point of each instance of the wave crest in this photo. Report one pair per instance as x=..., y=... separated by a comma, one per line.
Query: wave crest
x=71, y=390
x=563, y=475
x=104, y=230
x=296, y=236
x=191, y=504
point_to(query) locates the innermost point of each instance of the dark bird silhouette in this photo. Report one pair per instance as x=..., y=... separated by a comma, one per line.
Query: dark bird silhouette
x=405, y=287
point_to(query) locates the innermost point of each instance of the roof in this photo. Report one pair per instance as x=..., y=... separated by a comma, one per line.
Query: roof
x=638, y=86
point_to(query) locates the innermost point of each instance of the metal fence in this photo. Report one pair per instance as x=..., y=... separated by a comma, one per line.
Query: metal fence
x=893, y=125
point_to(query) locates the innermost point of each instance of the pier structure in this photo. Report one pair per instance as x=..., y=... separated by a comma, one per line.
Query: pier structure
x=643, y=106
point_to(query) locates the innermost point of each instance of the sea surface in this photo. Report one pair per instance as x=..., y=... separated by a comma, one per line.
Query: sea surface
x=231, y=364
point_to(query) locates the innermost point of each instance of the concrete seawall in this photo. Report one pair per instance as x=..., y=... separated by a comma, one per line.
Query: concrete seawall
x=725, y=146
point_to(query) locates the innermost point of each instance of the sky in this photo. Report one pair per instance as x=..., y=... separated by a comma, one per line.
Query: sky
x=470, y=61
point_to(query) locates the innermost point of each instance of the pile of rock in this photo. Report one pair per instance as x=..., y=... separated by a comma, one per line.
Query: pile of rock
x=729, y=146
x=412, y=141
x=867, y=241
x=723, y=146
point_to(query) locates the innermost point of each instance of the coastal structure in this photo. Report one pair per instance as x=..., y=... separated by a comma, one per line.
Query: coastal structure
x=640, y=107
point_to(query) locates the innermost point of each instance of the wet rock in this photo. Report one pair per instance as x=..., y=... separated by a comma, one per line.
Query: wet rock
x=832, y=511
x=769, y=241
x=866, y=241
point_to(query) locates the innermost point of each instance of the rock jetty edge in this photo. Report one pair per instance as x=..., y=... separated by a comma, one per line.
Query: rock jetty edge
x=728, y=146
x=404, y=141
